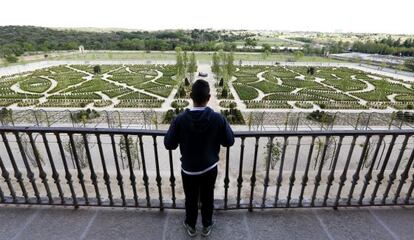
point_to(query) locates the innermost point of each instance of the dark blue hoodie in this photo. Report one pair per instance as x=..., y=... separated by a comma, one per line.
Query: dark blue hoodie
x=199, y=134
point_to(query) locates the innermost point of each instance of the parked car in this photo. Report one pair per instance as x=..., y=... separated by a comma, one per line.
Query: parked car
x=202, y=74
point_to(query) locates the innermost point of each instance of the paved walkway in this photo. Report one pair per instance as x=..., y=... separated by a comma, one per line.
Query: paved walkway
x=206, y=68
x=97, y=223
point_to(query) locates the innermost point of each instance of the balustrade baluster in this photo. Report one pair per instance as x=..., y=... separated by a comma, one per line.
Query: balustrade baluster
x=78, y=168
x=253, y=177
x=240, y=177
x=68, y=175
x=380, y=175
x=17, y=173
x=55, y=174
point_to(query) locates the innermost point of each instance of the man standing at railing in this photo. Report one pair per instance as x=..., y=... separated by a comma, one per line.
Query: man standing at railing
x=199, y=132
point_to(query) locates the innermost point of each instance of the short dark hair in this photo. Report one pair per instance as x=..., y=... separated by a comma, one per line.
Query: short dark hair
x=200, y=91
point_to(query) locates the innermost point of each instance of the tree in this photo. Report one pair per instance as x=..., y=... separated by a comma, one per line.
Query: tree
x=133, y=151
x=192, y=66
x=21, y=39
x=34, y=156
x=221, y=83
x=274, y=150
x=83, y=116
x=385, y=46
x=224, y=93
x=11, y=59
x=215, y=67
x=233, y=116
x=79, y=147
x=181, y=92
x=180, y=71
x=250, y=42
x=311, y=70
x=185, y=62
x=97, y=69
x=230, y=64
x=186, y=82
x=298, y=55
x=6, y=116
x=223, y=65
x=267, y=50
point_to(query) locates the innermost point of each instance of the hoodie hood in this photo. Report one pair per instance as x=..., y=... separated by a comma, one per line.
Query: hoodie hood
x=199, y=121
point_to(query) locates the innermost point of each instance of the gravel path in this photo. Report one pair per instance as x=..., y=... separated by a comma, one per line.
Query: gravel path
x=240, y=103
x=369, y=87
x=214, y=102
x=391, y=97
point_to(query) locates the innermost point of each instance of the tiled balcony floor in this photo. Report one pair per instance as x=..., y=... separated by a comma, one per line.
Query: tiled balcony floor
x=36, y=222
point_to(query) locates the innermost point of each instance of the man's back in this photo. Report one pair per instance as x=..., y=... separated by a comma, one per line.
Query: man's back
x=199, y=132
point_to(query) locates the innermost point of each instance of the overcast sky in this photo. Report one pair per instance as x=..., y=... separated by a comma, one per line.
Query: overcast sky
x=385, y=16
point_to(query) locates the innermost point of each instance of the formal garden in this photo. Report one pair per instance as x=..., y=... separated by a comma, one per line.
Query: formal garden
x=90, y=86
x=243, y=87
x=331, y=88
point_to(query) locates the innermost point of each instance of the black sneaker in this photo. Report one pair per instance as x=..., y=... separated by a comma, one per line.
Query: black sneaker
x=206, y=231
x=192, y=232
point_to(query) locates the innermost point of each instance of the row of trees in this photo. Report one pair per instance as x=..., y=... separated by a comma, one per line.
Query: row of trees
x=16, y=40
x=186, y=64
x=223, y=68
x=223, y=65
x=386, y=46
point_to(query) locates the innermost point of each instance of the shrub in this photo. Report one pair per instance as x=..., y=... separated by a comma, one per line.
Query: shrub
x=5, y=115
x=304, y=105
x=221, y=83
x=97, y=69
x=171, y=114
x=181, y=92
x=320, y=116
x=405, y=116
x=227, y=104
x=322, y=105
x=233, y=116
x=85, y=115
x=11, y=59
x=186, y=82
x=224, y=93
x=311, y=70
x=179, y=104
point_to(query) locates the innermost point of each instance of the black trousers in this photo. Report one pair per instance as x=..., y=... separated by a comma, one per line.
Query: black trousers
x=199, y=188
